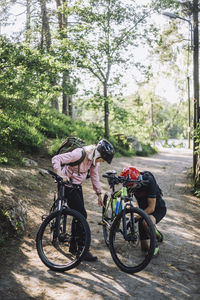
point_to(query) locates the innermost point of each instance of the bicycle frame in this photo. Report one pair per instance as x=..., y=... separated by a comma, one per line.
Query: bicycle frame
x=124, y=201
x=60, y=195
x=63, y=238
x=61, y=191
x=58, y=201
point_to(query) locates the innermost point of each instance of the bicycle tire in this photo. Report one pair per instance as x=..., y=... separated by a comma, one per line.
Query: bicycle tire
x=127, y=255
x=53, y=249
x=107, y=217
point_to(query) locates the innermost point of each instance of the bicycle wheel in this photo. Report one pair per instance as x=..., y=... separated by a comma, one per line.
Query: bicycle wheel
x=127, y=253
x=107, y=217
x=55, y=236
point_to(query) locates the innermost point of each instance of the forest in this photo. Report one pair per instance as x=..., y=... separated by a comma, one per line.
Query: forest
x=62, y=74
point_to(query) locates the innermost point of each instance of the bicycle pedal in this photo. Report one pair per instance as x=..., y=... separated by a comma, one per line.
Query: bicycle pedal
x=101, y=223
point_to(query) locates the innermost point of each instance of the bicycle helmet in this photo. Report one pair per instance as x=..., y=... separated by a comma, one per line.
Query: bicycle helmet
x=106, y=150
x=132, y=172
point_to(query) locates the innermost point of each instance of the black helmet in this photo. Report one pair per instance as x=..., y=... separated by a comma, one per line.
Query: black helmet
x=106, y=150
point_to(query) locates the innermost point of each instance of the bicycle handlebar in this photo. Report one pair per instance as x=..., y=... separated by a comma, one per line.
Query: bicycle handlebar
x=55, y=176
x=121, y=179
x=59, y=178
x=114, y=180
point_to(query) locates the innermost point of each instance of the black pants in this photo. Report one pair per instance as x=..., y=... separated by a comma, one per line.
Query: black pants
x=75, y=201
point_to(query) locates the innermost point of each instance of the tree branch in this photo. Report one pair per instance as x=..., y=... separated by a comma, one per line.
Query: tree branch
x=127, y=32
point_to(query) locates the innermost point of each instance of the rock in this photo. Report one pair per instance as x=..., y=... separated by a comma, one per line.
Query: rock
x=18, y=216
x=13, y=219
x=43, y=172
x=134, y=143
x=30, y=163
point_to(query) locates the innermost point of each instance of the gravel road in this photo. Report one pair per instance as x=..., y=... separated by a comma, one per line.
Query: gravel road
x=174, y=274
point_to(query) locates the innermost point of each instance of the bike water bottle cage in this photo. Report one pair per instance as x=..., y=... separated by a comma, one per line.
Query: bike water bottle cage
x=118, y=206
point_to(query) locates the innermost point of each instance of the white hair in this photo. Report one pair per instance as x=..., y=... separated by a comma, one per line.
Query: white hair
x=93, y=153
x=90, y=148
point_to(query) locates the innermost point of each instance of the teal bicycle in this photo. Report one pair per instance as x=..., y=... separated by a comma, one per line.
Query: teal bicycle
x=120, y=221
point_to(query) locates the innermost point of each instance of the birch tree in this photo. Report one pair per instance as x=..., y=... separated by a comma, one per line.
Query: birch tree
x=110, y=27
x=62, y=6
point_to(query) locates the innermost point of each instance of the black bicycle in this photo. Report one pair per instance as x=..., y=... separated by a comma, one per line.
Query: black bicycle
x=64, y=235
x=121, y=221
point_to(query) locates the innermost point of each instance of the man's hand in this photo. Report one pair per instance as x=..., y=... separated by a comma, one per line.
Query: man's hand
x=100, y=202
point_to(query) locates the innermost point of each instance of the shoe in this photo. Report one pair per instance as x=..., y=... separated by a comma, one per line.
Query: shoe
x=156, y=251
x=89, y=257
x=159, y=236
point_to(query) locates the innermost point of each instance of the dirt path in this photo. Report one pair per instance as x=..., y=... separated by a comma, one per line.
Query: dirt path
x=174, y=274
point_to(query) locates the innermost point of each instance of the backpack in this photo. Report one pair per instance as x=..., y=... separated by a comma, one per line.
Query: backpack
x=70, y=144
x=147, y=173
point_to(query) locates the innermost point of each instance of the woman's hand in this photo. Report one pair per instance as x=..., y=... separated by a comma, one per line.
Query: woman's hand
x=65, y=178
x=100, y=201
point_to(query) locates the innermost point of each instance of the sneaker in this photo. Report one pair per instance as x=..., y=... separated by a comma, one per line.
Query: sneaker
x=156, y=251
x=89, y=257
x=159, y=236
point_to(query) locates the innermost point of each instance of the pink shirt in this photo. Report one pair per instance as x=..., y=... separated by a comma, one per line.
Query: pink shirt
x=72, y=172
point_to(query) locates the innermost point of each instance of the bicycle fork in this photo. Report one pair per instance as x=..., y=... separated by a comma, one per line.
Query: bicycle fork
x=130, y=221
x=61, y=228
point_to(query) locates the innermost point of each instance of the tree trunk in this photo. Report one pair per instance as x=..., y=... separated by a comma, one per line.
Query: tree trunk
x=70, y=105
x=67, y=98
x=196, y=78
x=153, y=133
x=45, y=31
x=64, y=98
x=67, y=106
x=60, y=18
x=106, y=110
x=28, y=21
x=46, y=43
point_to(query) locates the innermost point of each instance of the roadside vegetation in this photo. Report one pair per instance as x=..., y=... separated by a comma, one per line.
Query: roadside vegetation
x=63, y=76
